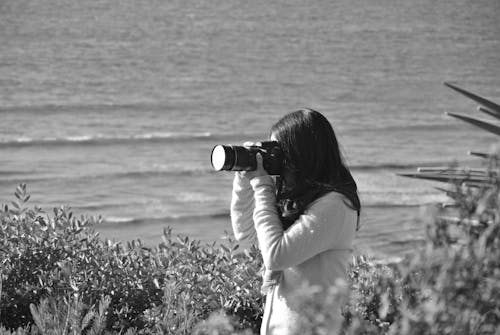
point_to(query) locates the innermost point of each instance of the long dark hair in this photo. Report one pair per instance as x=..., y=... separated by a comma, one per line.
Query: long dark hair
x=313, y=164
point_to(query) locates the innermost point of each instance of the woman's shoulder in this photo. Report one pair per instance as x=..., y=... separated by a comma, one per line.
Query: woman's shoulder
x=331, y=201
x=332, y=207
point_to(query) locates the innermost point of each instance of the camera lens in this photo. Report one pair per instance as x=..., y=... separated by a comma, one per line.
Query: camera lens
x=222, y=157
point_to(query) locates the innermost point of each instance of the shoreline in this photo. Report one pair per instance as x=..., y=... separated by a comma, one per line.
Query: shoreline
x=385, y=233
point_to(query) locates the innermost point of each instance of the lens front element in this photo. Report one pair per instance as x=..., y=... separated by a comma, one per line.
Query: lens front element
x=220, y=158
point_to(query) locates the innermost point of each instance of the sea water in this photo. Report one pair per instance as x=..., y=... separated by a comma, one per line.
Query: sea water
x=113, y=107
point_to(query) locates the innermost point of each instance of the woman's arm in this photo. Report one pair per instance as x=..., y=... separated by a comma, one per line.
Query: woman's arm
x=242, y=204
x=320, y=228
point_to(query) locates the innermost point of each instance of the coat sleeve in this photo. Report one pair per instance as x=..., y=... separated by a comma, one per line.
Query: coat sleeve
x=320, y=228
x=242, y=204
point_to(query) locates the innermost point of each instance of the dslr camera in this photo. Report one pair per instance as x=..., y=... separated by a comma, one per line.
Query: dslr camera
x=240, y=158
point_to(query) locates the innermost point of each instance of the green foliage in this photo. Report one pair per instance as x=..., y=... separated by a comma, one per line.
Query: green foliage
x=68, y=316
x=45, y=259
x=219, y=324
x=449, y=286
x=58, y=276
x=200, y=280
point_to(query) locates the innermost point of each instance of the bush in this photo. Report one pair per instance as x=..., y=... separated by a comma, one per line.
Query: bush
x=167, y=289
x=56, y=268
x=451, y=285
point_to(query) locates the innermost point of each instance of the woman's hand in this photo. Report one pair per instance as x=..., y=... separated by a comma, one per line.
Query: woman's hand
x=260, y=171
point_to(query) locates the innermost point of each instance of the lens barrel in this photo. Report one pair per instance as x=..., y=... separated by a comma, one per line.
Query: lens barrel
x=245, y=159
x=233, y=158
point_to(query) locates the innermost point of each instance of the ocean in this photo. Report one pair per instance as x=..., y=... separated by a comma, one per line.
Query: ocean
x=113, y=106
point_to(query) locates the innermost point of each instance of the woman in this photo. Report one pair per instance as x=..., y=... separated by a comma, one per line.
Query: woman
x=304, y=222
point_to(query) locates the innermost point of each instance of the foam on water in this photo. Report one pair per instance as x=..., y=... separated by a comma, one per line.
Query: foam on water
x=101, y=139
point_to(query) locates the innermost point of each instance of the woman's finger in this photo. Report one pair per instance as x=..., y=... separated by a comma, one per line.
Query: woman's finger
x=248, y=144
x=260, y=162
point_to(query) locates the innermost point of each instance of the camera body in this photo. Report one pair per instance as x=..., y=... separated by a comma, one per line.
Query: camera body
x=240, y=158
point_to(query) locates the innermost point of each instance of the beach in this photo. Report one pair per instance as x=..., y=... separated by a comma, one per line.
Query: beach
x=113, y=107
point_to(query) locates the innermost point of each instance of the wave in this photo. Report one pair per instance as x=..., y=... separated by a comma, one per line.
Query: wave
x=224, y=215
x=8, y=173
x=105, y=139
x=186, y=219
x=160, y=173
x=221, y=215
x=65, y=108
x=165, y=219
x=102, y=139
x=422, y=127
x=388, y=204
x=173, y=172
x=397, y=166
x=387, y=200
